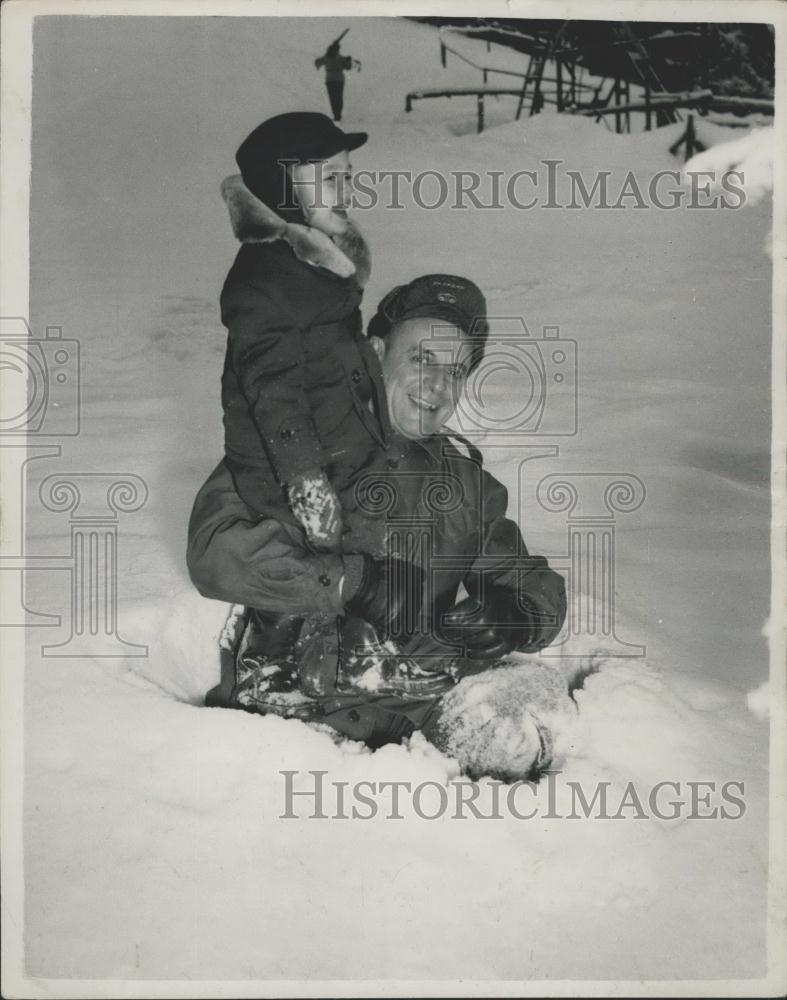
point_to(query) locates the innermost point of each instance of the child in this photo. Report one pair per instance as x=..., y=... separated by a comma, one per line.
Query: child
x=296, y=387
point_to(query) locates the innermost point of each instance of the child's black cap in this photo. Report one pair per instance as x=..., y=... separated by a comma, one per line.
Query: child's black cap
x=297, y=135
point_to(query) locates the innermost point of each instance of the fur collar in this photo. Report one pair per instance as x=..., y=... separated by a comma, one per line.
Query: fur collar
x=254, y=222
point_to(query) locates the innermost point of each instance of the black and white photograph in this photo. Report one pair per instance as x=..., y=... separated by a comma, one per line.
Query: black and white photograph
x=393, y=499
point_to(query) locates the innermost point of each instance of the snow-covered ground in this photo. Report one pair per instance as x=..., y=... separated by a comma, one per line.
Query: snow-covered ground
x=154, y=847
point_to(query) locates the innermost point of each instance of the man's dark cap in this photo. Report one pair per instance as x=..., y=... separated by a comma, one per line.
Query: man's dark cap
x=438, y=296
x=446, y=297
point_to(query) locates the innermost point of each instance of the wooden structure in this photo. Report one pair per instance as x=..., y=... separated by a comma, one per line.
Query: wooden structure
x=478, y=92
x=620, y=58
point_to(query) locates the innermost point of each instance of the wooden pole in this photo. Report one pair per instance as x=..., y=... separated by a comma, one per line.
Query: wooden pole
x=480, y=112
x=521, y=99
x=690, y=137
x=559, y=67
x=442, y=54
x=524, y=89
x=689, y=140
x=647, y=107
x=536, y=102
x=628, y=113
x=616, y=93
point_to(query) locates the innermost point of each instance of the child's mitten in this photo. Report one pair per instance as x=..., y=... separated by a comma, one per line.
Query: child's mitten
x=313, y=501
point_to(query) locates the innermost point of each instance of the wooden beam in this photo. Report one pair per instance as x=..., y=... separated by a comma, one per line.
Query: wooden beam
x=720, y=102
x=417, y=95
x=657, y=101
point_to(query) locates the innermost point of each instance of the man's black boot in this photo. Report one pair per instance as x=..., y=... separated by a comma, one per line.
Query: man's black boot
x=369, y=664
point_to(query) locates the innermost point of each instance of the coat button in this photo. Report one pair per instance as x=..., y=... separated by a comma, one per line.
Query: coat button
x=356, y=376
x=324, y=579
x=286, y=434
x=353, y=716
x=393, y=463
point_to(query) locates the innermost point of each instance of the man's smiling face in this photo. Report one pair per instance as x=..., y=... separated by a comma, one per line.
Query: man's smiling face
x=423, y=380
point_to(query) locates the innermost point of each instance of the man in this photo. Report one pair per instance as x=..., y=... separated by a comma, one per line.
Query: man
x=335, y=64
x=404, y=649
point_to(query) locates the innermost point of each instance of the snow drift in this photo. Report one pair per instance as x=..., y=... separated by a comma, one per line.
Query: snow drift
x=154, y=843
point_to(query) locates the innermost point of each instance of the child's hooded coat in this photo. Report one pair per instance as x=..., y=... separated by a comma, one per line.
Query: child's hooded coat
x=299, y=372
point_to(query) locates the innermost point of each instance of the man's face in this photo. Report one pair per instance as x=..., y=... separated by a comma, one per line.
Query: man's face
x=323, y=192
x=423, y=375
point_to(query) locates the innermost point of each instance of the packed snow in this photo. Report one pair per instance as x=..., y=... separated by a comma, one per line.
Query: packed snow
x=154, y=844
x=751, y=154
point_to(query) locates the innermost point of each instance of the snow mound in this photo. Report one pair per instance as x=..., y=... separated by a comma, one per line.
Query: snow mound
x=751, y=155
x=759, y=701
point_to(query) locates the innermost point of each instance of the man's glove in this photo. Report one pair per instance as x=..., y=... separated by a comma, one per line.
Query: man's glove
x=390, y=596
x=493, y=629
x=313, y=501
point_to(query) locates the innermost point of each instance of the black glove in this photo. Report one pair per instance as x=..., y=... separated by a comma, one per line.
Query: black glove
x=493, y=629
x=390, y=596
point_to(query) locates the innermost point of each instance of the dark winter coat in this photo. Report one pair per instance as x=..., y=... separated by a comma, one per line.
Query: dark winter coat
x=296, y=383
x=335, y=65
x=442, y=508
x=445, y=511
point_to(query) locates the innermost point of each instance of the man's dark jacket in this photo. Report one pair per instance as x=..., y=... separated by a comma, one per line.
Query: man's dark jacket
x=441, y=508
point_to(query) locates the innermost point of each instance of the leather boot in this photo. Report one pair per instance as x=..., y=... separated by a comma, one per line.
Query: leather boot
x=368, y=664
x=266, y=655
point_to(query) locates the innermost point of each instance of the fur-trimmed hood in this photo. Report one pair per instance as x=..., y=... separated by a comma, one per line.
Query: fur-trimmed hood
x=255, y=222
